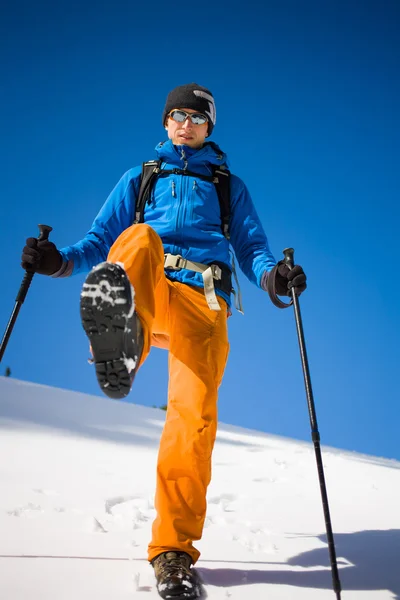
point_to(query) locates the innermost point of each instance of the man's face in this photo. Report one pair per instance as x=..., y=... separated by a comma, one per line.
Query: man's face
x=186, y=133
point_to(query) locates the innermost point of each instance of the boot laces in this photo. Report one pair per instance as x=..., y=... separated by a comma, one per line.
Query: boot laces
x=175, y=565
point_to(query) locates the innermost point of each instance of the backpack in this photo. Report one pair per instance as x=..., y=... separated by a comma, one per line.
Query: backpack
x=220, y=177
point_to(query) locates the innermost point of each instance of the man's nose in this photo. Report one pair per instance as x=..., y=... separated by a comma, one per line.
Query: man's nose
x=187, y=122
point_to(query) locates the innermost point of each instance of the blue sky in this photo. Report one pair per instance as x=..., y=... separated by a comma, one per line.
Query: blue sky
x=307, y=99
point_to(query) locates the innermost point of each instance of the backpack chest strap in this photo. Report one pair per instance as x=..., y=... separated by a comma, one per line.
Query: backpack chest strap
x=176, y=171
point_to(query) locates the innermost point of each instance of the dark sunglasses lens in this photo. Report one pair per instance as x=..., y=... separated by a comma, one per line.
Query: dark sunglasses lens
x=178, y=115
x=198, y=119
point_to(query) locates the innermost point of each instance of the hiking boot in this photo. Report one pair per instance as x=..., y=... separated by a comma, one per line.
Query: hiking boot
x=113, y=328
x=175, y=578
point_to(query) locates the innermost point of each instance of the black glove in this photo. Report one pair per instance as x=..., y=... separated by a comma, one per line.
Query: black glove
x=41, y=257
x=287, y=278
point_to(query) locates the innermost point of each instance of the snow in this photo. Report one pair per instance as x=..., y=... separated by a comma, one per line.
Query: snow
x=77, y=484
x=103, y=290
x=130, y=363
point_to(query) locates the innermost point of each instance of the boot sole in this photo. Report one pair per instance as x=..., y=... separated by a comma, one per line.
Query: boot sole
x=106, y=308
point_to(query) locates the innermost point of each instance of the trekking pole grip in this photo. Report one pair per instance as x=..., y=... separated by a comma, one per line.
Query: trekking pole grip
x=44, y=232
x=289, y=257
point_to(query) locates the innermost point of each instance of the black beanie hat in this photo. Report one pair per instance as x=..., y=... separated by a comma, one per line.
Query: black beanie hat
x=192, y=96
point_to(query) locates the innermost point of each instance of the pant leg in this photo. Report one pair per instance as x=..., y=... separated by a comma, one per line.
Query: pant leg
x=198, y=350
x=139, y=248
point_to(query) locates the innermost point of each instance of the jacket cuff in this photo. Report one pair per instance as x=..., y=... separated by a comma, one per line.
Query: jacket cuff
x=264, y=279
x=65, y=270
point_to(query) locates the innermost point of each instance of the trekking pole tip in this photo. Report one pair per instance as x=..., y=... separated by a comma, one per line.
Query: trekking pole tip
x=44, y=231
x=289, y=257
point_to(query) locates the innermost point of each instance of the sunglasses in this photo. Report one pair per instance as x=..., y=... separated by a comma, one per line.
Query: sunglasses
x=180, y=116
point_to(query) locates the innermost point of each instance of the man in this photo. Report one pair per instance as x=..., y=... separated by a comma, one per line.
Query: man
x=163, y=278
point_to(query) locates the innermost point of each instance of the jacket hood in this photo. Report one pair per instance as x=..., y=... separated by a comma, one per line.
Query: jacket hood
x=210, y=153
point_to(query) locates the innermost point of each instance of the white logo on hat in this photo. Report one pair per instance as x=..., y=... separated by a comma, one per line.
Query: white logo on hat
x=212, y=113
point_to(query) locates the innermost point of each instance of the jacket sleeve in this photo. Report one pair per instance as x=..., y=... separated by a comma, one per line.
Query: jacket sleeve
x=248, y=237
x=116, y=215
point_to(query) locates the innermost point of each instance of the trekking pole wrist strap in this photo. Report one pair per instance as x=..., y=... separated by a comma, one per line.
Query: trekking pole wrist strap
x=271, y=288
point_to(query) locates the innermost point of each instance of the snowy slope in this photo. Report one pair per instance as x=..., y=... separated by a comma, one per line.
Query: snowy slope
x=77, y=477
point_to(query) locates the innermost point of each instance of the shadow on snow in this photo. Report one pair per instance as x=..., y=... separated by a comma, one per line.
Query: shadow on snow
x=374, y=557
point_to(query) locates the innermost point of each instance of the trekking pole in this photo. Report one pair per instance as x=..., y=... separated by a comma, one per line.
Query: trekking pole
x=44, y=231
x=289, y=260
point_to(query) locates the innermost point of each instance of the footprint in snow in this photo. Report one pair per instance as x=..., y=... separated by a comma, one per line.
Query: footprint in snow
x=224, y=500
x=115, y=500
x=265, y=479
x=255, y=545
x=280, y=463
x=25, y=511
x=139, y=518
x=45, y=492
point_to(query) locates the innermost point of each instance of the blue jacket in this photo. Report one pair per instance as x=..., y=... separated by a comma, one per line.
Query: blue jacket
x=185, y=212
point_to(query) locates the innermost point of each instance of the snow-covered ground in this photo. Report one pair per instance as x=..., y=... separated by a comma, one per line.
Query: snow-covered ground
x=77, y=476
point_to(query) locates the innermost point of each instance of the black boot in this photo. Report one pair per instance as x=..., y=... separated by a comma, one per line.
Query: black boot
x=113, y=328
x=175, y=578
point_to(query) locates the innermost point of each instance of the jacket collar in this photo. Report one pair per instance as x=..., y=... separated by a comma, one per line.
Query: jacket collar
x=186, y=156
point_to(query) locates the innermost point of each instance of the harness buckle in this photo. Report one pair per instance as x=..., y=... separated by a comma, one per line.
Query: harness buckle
x=216, y=272
x=174, y=262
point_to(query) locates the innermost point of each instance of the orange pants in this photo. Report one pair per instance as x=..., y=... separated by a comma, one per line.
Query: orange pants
x=176, y=316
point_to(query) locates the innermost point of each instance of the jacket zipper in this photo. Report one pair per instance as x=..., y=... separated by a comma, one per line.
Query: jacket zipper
x=192, y=200
x=185, y=201
x=180, y=213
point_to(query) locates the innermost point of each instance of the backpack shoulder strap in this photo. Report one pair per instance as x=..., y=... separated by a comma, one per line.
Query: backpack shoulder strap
x=150, y=170
x=222, y=181
x=220, y=178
